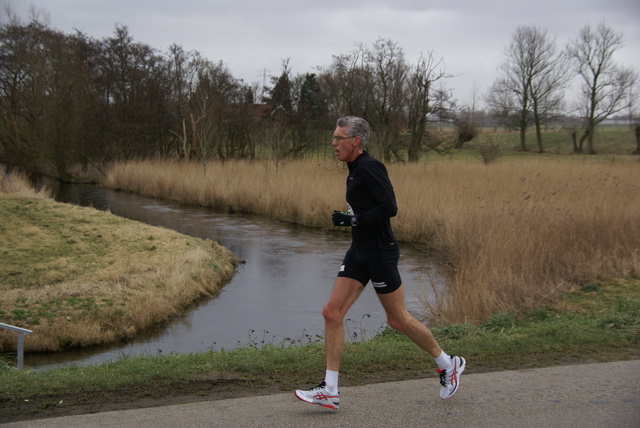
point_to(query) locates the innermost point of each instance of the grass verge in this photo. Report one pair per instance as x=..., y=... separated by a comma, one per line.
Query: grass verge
x=78, y=276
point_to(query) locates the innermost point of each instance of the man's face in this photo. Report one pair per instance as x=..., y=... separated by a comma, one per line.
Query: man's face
x=346, y=148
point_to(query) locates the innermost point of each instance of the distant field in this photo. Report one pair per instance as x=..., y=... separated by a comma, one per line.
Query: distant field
x=608, y=140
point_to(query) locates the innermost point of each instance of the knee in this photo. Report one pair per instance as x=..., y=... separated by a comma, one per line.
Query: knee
x=395, y=324
x=400, y=324
x=331, y=315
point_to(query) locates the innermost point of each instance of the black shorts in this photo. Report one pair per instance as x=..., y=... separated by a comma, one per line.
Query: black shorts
x=379, y=266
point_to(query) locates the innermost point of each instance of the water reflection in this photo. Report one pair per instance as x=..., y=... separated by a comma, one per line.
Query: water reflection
x=276, y=296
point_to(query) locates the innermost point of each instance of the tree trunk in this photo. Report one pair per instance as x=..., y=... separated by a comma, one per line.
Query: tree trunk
x=415, y=143
x=413, y=153
x=577, y=148
x=590, y=148
x=539, y=137
x=523, y=130
x=523, y=138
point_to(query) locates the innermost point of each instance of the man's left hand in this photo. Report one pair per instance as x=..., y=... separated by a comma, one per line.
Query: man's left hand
x=340, y=218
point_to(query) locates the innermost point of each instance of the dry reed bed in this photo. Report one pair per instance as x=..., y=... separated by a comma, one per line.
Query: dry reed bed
x=297, y=192
x=510, y=234
x=513, y=233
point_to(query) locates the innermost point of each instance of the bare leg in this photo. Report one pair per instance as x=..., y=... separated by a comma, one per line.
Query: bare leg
x=345, y=292
x=400, y=319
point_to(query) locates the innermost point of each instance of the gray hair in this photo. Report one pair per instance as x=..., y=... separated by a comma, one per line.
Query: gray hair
x=358, y=127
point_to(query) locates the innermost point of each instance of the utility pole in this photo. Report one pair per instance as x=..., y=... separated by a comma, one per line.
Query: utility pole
x=263, y=72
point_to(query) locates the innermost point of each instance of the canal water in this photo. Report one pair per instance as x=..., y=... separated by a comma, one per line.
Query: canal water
x=276, y=297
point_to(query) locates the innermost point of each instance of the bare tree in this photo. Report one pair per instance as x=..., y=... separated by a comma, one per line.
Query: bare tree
x=474, y=104
x=517, y=72
x=633, y=97
x=420, y=100
x=548, y=81
x=386, y=74
x=133, y=84
x=377, y=83
x=344, y=85
x=532, y=80
x=203, y=124
x=49, y=105
x=211, y=111
x=465, y=120
x=20, y=69
x=371, y=83
x=604, y=84
x=502, y=105
x=182, y=72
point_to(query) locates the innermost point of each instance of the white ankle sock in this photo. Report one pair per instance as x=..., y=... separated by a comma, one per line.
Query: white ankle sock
x=331, y=380
x=444, y=361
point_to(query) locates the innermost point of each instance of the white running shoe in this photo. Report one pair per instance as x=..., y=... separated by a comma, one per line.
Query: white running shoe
x=450, y=378
x=320, y=396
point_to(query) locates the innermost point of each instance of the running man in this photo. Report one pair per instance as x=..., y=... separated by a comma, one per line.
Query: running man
x=373, y=256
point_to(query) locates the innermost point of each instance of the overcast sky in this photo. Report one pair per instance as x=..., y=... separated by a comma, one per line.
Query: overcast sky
x=251, y=36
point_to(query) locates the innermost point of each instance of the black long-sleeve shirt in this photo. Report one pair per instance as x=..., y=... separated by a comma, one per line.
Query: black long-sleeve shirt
x=371, y=197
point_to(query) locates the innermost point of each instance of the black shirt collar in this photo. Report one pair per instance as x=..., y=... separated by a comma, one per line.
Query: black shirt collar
x=352, y=165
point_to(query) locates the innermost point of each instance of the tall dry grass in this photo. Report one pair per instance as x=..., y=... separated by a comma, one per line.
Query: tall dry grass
x=17, y=184
x=513, y=233
x=297, y=192
x=509, y=234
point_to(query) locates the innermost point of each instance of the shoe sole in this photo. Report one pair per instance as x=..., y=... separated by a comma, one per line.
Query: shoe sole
x=328, y=406
x=460, y=371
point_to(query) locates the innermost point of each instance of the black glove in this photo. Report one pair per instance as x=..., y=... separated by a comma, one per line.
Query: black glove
x=343, y=219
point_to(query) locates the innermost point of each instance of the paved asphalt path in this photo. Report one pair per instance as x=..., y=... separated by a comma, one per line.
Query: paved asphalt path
x=585, y=395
